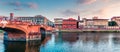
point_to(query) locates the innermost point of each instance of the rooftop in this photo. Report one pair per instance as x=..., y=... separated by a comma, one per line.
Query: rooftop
x=58, y=18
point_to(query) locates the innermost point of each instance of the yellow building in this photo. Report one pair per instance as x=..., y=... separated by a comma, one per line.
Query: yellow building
x=100, y=23
x=96, y=23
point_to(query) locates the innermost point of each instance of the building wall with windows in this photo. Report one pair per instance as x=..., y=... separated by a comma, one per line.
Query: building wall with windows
x=34, y=20
x=95, y=23
x=100, y=22
x=58, y=22
x=69, y=23
x=50, y=23
x=38, y=20
x=81, y=24
x=88, y=23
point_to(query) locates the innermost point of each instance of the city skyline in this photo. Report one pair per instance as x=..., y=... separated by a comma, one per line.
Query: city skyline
x=61, y=8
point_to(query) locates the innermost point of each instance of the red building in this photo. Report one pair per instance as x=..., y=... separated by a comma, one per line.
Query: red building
x=69, y=23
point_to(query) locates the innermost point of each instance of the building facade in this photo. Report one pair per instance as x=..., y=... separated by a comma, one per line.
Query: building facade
x=81, y=24
x=95, y=23
x=38, y=20
x=89, y=23
x=35, y=20
x=69, y=23
x=100, y=23
x=58, y=22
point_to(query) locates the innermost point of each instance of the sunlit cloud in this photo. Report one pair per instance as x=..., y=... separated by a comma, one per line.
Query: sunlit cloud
x=106, y=12
x=86, y=1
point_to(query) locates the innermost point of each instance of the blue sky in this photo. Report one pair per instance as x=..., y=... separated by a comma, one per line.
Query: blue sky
x=61, y=8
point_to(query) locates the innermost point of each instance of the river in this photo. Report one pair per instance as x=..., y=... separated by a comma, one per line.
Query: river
x=67, y=42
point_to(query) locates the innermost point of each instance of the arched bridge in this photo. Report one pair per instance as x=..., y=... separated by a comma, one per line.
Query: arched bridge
x=22, y=31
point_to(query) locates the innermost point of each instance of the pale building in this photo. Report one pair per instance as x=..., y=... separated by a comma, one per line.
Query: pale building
x=88, y=23
x=95, y=23
x=100, y=23
x=58, y=22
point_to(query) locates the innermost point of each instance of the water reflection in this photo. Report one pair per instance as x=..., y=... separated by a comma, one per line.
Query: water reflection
x=83, y=42
x=68, y=42
x=70, y=37
x=14, y=47
x=31, y=46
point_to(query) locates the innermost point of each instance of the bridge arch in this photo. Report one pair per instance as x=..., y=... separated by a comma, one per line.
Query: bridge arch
x=14, y=33
x=14, y=27
x=43, y=32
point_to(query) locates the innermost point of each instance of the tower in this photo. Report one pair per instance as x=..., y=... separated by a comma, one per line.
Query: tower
x=78, y=18
x=11, y=16
x=78, y=21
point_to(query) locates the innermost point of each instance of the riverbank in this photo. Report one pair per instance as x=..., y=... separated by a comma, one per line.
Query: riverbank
x=73, y=30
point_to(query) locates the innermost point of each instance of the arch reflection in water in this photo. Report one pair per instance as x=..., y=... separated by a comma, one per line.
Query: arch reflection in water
x=30, y=46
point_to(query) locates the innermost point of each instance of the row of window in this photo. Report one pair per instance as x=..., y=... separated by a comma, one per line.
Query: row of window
x=36, y=20
x=49, y=23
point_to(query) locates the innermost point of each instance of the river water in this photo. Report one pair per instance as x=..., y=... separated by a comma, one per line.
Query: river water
x=67, y=42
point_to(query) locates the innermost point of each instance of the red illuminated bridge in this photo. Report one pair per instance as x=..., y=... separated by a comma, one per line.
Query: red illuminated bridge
x=23, y=31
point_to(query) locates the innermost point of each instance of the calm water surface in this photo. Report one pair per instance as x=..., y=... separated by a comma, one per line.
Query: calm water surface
x=67, y=42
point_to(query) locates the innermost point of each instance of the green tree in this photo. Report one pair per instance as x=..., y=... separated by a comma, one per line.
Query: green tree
x=112, y=23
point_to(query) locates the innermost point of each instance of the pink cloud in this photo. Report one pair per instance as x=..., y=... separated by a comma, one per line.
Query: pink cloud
x=105, y=0
x=86, y=1
x=106, y=12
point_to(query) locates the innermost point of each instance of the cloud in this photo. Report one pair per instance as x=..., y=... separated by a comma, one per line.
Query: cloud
x=18, y=9
x=90, y=1
x=16, y=3
x=20, y=5
x=32, y=5
x=86, y=1
x=105, y=0
x=106, y=12
x=70, y=12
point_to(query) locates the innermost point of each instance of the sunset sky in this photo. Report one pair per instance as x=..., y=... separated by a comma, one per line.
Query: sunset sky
x=61, y=8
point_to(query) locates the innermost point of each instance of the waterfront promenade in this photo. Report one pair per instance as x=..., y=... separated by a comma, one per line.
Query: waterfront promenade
x=91, y=30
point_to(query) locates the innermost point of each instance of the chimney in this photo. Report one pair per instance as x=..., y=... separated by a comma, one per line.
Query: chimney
x=78, y=18
x=11, y=16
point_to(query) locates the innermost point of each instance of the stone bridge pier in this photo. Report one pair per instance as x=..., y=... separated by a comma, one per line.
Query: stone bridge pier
x=34, y=36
